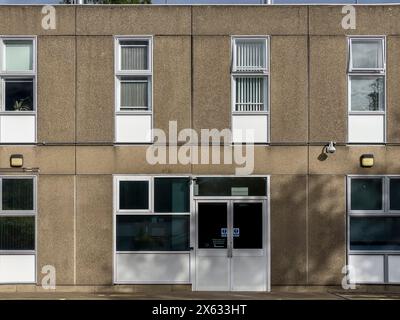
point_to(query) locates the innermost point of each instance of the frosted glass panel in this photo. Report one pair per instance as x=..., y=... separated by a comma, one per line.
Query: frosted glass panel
x=19, y=55
x=367, y=53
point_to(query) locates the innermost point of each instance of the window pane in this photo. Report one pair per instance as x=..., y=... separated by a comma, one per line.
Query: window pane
x=223, y=186
x=250, y=55
x=250, y=93
x=17, y=194
x=19, y=55
x=134, y=195
x=212, y=225
x=247, y=226
x=152, y=233
x=367, y=93
x=134, y=55
x=134, y=93
x=171, y=194
x=394, y=194
x=17, y=233
x=367, y=53
x=19, y=94
x=366, y=194
x=374, y=233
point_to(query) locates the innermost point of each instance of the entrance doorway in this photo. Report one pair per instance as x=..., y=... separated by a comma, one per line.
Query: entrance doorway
x=231, y=245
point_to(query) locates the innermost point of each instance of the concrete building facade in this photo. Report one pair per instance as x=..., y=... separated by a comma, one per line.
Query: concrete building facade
x=98, y=212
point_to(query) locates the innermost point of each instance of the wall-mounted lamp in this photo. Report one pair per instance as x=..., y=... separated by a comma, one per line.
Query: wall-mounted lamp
x=16, y=160
x=367, y=160
x=330, y=148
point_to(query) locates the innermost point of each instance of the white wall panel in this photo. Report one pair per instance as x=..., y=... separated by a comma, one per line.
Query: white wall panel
x=17, y=128
x=17, y=268
x=255, y=125
x=368, y=268
x=133, y=128
x=366, y=128
x=394, y=268
x=152, y=268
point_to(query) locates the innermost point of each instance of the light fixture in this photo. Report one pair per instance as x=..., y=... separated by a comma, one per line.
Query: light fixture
x=16, y=160
x=367, y=160
x=330, y=148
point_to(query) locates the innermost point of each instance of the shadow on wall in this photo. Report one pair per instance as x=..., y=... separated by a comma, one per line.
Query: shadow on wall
x=308, y=247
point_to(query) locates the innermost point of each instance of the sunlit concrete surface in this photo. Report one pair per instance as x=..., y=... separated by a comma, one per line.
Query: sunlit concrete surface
x=201, y=296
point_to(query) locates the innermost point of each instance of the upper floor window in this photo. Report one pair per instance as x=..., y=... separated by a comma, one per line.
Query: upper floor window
x=250, y=74
x=250, y=94
x=18, y=90
x=366, y=99
x=133, y=76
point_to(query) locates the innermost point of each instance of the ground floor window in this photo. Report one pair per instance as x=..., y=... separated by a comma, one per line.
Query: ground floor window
x=374, y=228
x=17, y=229
x=152, y=229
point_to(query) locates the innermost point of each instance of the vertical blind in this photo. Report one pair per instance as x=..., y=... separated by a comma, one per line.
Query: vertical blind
x=250, y=55
x=250, y=93
x=17, y=233
x=134, y=94
x=134, y=56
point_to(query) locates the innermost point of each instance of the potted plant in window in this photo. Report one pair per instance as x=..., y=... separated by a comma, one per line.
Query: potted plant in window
x=22, y=105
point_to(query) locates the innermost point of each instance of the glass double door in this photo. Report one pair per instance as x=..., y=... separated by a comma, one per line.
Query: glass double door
x=231, y=248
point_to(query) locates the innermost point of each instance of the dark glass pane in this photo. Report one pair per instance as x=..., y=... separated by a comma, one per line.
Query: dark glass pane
x=152, y=233
x=17, y=233
x=171, y=194
x=227, y=186
x=375, y=233
x=17, y=194
x=19, y=94
x=366, y=194
x=247, y=226
x=394, y=194
x=212, y=225
x=134, y=195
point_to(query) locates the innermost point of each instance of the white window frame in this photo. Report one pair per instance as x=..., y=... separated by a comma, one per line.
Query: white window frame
x=265, y=74
x=384, y=213
x=20, y=213
x=359, y=72
x=19, y=75
x=133, y=73
x=367, y=38
x=149, y=210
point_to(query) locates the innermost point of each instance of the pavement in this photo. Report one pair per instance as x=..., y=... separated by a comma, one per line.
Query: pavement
x=185, y=295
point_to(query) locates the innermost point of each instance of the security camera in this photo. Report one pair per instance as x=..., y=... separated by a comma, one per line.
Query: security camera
x=330, y=148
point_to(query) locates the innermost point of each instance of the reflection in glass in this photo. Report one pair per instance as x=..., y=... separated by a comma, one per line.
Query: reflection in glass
x=171, y=194
x=17, y=233
x=366, y=194
x=17, y=194
x=367, y=93
x=152, y=233
x=374, y=233
x=367, y=54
